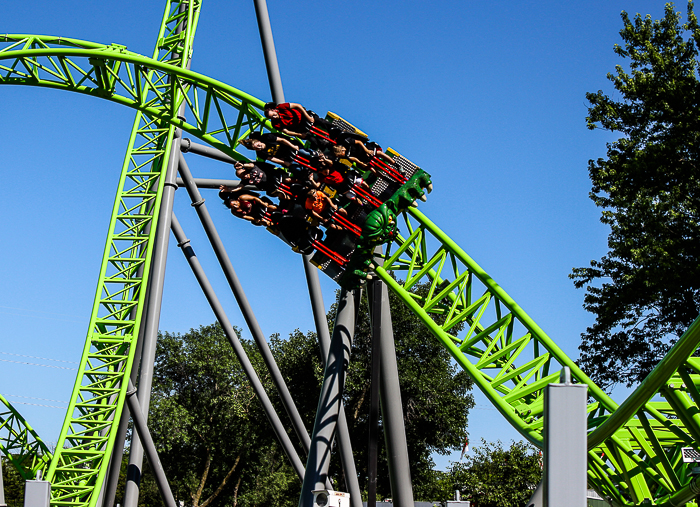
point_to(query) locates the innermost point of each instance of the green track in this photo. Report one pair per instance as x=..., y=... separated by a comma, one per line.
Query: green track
x=20, y=443
x=634, y=448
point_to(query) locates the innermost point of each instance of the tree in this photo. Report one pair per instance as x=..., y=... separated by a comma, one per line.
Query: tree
x=217, y=447
x=434, y=392
x=211, y=433
x=495, y=477
x=13, y=484
x=645, y=291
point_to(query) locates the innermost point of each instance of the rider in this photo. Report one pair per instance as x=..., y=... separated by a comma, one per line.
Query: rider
x=271, y=147
x=262, y=175
x=289, y=118
x=321, y=207
x=247, y=206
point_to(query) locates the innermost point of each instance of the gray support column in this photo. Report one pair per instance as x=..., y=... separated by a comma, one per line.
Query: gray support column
x=347, y=460
x=324, y=342
x=317, y=307
x=210, y=183
x=392, y=410
x=258, y=388
x=329, y=402
x=37, y=493
x=273, y=75
x=189, y=146
x=2, y=487
x=268, y=44
x=155, y=297
x=244, y=305
x=115, y=461
x=145, y=437
x=277, y=91
x=536, y=500
x=372, y=454
x=565, y=443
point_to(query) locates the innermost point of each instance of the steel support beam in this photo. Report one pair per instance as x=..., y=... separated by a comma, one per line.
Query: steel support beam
x=537, y=498
x=115, y=461
x=147, y=441
x=565, y=439
x=329, y=403
x=210, y=183
x=2, y=487
x=324, y=342
x=155, y=297
x=390, y=396
x=685, y=495
x=277, y=91
x=372, y=454
x=218, y=310
x=189, y=146
x=268, y=44
x=243, y=304
x=37, y=493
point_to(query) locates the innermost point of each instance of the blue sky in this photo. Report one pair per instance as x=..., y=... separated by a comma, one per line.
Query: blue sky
x=489, y=97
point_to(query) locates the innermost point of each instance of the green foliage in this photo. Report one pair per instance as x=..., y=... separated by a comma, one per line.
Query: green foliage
x=216, y=444
x=492, y=476
x=211, y=433
x=644, y=292
x=13, y=484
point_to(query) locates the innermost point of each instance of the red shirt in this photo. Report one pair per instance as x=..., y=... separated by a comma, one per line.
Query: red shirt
x=288, y=117
x=334, y=178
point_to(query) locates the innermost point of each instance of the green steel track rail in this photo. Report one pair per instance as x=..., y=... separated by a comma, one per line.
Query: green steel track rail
x=85, y=444
x=79, y=464
x=220, y=114
x=634, y=449
x=20, y=444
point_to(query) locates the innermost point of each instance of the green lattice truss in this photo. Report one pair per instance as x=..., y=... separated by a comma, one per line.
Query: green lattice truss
x=20, y=443
x=634, y=448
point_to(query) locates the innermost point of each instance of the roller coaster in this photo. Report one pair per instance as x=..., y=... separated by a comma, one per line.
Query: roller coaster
x=634, y=456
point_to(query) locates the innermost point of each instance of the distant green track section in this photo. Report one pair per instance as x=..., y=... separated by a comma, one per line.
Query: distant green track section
x=634, y=448
x=20, y=444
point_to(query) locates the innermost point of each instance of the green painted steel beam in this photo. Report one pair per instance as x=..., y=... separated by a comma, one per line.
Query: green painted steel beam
x=680, y=352
x=79, y=464
x=220, y=114
x=20, y=443
x=511, y=360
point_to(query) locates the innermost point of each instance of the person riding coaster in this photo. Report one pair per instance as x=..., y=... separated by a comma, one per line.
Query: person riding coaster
x=289, y=118
x=321, y=209
x=290, y=224
x=321, y=186
x=294, y=120
x=261, y=175
x=272, y=147
x=342, y=183
x=246, y=205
